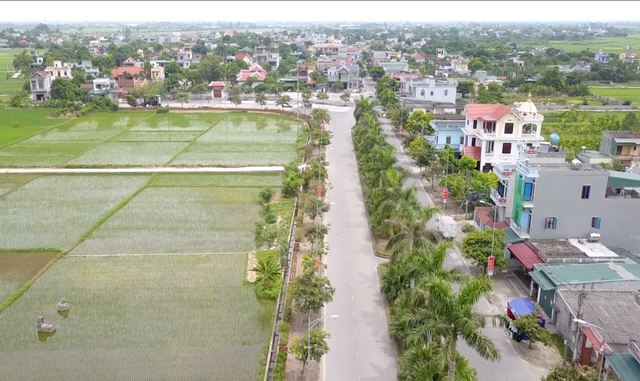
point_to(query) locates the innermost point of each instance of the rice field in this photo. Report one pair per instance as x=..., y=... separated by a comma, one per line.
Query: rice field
x=147, y=139
x=138, y=318
x=54, y=211
x=174, y=220
x=17, y=268
x=609, y=44
x=631, y=94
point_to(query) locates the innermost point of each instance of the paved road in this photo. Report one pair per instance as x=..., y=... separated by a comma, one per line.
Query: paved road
x=361, y=349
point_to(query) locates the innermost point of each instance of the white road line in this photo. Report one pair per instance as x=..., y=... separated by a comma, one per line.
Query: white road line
x=357, y=355
x=349, y=269
x=352, y=298
x=355, y=333
x=351, y=283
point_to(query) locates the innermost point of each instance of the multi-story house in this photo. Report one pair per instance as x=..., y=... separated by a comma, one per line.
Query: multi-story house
x=59, y=71
x=349, y=75
x=628, y=54
x=157, y=74
x=271, y=59
x=41, y=86
x=324, y=48
x=4, y=44
x=447, y=130
x=403, y=81
x=621, y=145
x=432, y=90
x=39, y=65
x=601, y=57
x=553, y=199
x=394, y=67
x=494, y=132
x=255, y=71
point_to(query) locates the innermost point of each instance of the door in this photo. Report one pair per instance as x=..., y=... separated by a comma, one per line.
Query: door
x=585, y=353
x=217, y=93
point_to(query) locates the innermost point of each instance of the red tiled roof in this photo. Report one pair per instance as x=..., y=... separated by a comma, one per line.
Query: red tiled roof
x=474, y=152
x=129, y=83
x=525, y=255
x=119, y=72
x=241, y=56
x=353, y=49
x=501, y=225
x=596, y=339
x=418, y=56
x=245, y=74
x=216, y=84
x=487, y=112
x=86, y=86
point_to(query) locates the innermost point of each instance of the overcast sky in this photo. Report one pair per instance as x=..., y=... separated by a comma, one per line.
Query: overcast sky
x=252, y=11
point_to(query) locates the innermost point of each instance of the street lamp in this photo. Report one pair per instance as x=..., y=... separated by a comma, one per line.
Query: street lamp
x=602, y=348
x=311, y=325
x=492, y=258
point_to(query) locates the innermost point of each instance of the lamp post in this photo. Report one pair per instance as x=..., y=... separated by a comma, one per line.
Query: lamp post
x=311, y=325
x=492, y=258
x=602, y=348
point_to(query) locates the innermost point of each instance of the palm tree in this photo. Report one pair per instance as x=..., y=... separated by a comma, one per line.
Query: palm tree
x=320, y=116
x=267, y=272
x=364, y=107
x=427, y=362
x=410, y=231
x=450, y=316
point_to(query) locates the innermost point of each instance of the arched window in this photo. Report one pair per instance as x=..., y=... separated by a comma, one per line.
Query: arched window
x=422, y=92
x=446, y=92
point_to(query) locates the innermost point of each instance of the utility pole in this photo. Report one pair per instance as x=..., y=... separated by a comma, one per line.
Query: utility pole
x=581, y=297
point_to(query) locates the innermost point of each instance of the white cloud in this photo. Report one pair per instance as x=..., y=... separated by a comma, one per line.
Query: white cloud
x=373, y=11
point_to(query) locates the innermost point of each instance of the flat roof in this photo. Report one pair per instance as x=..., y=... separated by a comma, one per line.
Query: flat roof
x=569, y=248
x=590, y=272
x=616, y=311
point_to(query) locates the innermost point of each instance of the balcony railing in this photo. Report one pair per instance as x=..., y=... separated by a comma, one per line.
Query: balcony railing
x=497, y=198
x=626, y=157
x=526, y=170
x=522, y=232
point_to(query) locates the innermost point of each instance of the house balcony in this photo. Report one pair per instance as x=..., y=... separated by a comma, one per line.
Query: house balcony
x=497, y=198
x=527, y=204
x=522, y=232
x=503, y=170
x=627, y=157
x=527, y=171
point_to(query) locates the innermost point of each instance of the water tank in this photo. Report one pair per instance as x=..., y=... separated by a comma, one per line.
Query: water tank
x=555, y=138
x=576, y=164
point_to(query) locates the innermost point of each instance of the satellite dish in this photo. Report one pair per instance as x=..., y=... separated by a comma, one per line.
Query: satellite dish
x=555, y=138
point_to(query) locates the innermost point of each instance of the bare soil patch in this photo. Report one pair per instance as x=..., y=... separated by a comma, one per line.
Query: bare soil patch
x=252, y=262
x=23, y=266
x=539, y=354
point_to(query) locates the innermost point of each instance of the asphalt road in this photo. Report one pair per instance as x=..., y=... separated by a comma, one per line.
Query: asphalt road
x=360, y=347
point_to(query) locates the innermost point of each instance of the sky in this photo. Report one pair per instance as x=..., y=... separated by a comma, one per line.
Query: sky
x=359, y=11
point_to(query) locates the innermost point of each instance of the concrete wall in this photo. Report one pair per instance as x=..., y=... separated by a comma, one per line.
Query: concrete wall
x=558, y=194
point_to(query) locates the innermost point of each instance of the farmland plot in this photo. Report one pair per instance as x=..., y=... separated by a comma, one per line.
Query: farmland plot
x=54, y=211
x=130, y=153
x=179, y=122
x=179, y=220
x=245, y=180
x=16, y=268
x=40, y=153
x=139, y=317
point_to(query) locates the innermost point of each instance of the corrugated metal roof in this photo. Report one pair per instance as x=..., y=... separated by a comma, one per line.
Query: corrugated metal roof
x=625, y=366
x=542, y=281
x=623, y=180
x=615, y=311
x=526, y=255
x=590, y=273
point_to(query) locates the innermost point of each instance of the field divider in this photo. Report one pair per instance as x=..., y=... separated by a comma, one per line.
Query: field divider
x=110, y=213
x=128, y=129
x=34, y=134
x=151, y=254
x=168, y=163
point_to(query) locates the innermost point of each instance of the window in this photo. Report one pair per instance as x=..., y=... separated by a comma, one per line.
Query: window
x=461, y=140
x=473, y=142
x=528, y=191
x=506, y=148
x=595, y=222
x=432, y=93
x=475, y=124
x=448, y=140
x=490, y=127
x=422, y=92
x=508, y=128
x=551, y=223
x=446, y=92
x=586, y=190
x=488, y=148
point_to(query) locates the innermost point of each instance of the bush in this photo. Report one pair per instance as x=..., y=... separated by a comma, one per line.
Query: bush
x=162, y=110
x=266, y=194
x=270, y=293
x=468, y=228
x=270, y=217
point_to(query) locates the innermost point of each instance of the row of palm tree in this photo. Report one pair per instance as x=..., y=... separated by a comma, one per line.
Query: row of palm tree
x=428, y=316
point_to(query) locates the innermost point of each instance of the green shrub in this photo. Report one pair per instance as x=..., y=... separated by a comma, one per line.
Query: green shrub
x=162, y=110
x=468, y=228
x=270, y=293
x=270, y=217
x=266, y=194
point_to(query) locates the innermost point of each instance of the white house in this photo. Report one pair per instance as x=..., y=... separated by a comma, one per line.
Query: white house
x=41, y=86
x=59, y=71
x=493, y=132
x=432, y=90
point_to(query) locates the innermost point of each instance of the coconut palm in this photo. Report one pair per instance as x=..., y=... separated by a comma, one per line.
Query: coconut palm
x=427, y=362
x=364, y=106
x=410, y=231
x=268, y=272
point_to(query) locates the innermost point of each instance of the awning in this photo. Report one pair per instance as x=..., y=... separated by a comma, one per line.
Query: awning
x=623, y=180
x=474, y=152
x=625, y=366
x=596, y=339
x=525, y=255
x=542, y=280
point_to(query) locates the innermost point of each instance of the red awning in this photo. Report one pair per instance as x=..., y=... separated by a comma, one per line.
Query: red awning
x=525, y=255
x=596, y=339
x=474, y=152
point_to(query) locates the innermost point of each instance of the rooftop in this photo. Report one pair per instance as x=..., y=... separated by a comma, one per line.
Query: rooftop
x=625, y=366
x=571, y=274
x=548, y=249
x=616, y=311
x=622, y=134
x=493, y=112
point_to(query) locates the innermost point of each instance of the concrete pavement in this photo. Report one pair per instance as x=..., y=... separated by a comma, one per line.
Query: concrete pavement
x=360, y=346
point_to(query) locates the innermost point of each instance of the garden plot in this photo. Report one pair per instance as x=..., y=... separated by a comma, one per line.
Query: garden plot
x=130, y=153
x=17, y=268
x=173, y=317
x=179, y=122
x=17, y=124
x=54, y=211
x=179, y=220
x=157, y=136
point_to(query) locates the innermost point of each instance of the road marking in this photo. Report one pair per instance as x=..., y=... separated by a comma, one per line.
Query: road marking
x=351, y=283
x=354, y=314
x=357, y=355
x=348, y=257
x=355, y=333
x=352, y=298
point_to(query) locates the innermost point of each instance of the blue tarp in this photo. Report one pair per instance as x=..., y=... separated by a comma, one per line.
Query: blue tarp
x=521, y=307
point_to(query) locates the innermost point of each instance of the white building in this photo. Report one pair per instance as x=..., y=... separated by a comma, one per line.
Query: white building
x=432, y=90
x=494, y=133
x=59, y=71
